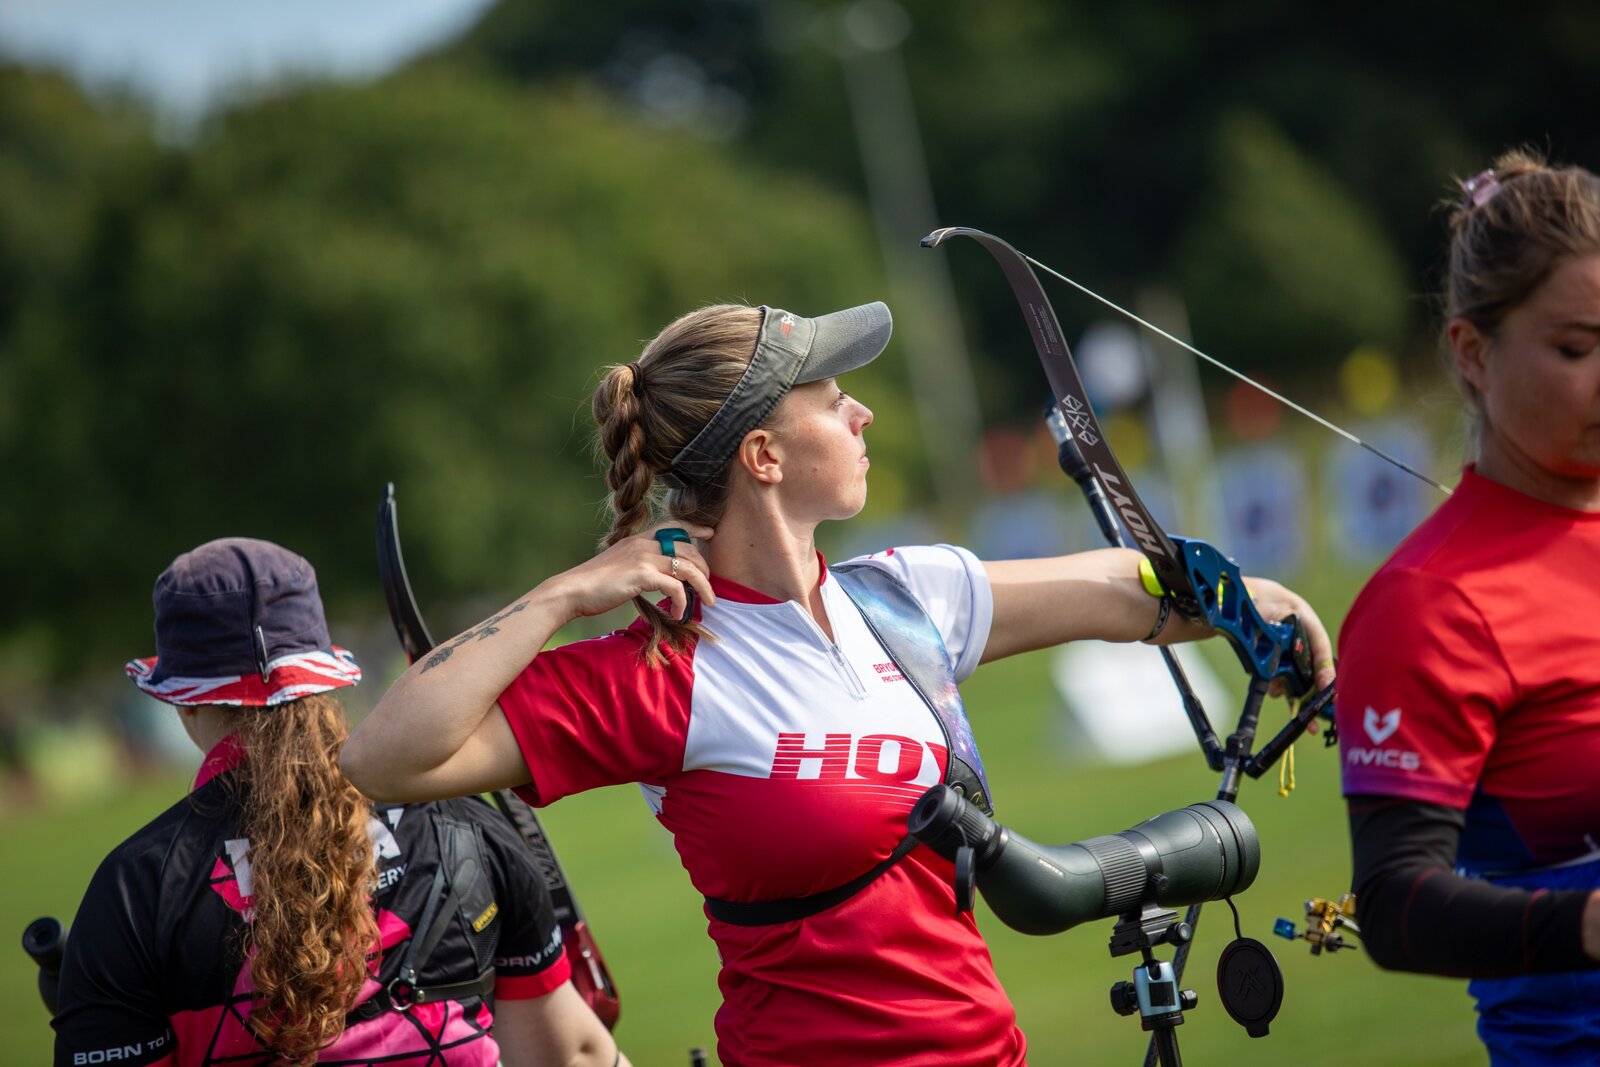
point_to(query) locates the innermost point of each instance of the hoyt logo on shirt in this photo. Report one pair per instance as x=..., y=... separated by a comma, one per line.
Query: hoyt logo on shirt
x=1381, y=727
x=873, y=757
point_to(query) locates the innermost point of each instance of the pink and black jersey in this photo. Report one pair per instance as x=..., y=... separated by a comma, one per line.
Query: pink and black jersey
x=785, y=764
x=154, y=971
x=1469, y=676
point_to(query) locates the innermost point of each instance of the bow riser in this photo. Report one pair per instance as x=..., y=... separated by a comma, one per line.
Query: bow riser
x=1267, y=650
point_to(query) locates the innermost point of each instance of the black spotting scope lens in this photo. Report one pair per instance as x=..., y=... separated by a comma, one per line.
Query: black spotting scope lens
x=1203, y=852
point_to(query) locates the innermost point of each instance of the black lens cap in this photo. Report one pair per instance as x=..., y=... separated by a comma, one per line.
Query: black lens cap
x=1250, y=985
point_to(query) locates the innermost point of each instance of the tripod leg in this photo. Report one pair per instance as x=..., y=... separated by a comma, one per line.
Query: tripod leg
x=1165, y=1041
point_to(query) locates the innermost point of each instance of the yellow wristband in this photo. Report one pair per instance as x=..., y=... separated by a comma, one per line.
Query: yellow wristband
x=1147, y=576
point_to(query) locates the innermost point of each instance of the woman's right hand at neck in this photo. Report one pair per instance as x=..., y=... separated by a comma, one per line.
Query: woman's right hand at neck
x=636, y=566
x=439, y=731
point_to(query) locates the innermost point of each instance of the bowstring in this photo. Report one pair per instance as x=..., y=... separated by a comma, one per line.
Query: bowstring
x=1279, y=397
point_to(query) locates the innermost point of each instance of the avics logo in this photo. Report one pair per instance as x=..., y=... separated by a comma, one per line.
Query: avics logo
x=1381, y=727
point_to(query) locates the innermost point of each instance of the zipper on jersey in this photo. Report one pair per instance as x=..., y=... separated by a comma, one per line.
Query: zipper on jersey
x=841, y=666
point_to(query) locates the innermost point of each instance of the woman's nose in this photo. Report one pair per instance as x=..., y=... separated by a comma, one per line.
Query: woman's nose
x=863, y=416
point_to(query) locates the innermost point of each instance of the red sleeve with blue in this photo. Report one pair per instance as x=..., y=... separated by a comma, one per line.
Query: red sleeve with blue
x=1422, y=684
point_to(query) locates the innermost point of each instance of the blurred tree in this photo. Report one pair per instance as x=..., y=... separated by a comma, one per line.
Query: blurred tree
x=416, y=280
x=63, y=160
x=1098, y=136
x=1278, y=235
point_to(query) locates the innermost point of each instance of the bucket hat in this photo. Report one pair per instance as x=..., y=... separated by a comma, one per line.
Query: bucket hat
x=239, y=621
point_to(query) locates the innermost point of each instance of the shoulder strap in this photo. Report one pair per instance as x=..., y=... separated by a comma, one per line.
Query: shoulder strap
x=460, y=870
x=902, y=626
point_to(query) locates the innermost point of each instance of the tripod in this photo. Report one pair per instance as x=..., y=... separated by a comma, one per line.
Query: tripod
x=1153, y=992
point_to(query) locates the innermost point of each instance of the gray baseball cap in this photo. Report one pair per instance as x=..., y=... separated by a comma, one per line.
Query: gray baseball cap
x=790, y=351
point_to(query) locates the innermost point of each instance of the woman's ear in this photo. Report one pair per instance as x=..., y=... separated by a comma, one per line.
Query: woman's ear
x=1469, y=348
x=759, y=455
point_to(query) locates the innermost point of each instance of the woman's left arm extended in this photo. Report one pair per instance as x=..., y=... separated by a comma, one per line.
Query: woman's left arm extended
x=1098, y=595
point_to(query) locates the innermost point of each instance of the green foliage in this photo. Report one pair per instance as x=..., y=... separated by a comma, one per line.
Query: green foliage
x=414, y=281
x=1320, y=275
x=1098, y=137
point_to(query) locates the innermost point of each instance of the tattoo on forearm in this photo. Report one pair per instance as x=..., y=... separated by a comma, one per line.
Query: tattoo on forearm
x=487, y=628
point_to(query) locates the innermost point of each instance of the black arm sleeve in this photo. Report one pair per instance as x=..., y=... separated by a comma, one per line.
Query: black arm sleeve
x=1416, y=914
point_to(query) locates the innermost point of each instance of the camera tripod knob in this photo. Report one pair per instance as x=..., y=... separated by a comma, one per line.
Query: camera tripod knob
x=1124, y=998
x=1187, y=999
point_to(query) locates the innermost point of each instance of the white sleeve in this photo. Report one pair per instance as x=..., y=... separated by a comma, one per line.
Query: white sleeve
x=954, y=590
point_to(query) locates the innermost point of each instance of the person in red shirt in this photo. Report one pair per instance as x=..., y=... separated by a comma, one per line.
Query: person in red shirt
x=274, y=915
x=770, y=724
x=1469, y=680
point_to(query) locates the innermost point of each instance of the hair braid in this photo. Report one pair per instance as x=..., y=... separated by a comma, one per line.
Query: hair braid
x=646, y=411
x=622, y=438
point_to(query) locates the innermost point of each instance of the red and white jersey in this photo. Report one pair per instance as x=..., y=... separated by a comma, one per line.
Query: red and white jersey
x=785, y=764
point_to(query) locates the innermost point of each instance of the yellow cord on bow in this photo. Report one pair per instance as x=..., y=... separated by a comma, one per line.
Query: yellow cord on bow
x=1286, y=767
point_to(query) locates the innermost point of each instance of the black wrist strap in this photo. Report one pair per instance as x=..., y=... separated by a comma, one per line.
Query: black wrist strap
x=1162, y=612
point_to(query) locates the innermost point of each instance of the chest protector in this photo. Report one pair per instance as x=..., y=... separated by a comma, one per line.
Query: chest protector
x=897, y=619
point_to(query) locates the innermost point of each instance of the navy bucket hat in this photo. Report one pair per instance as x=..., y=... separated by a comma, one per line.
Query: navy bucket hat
x=240, y=622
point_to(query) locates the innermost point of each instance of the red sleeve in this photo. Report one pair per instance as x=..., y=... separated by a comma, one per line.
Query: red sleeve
x=1422, y=683
x=592, y=713
x=529, y=986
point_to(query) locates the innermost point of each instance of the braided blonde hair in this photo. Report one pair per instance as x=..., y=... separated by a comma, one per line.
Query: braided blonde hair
x=646, y=411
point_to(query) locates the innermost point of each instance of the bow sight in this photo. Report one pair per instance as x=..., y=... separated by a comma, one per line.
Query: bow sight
x=1205, y=586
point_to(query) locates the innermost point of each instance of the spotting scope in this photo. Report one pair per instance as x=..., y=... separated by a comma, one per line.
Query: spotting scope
x=1205, y=851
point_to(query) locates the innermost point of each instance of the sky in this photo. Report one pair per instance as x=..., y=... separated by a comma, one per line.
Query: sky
x=185, y=55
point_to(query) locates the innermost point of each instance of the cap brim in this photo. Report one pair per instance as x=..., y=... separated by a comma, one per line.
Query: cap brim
x=846, y=340
x=290, y=677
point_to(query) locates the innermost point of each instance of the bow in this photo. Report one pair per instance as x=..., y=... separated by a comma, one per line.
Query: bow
x=589, y=972
x=1204, y=585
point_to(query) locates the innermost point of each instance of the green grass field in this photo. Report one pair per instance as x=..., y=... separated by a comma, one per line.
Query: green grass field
x=1337, y=1010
